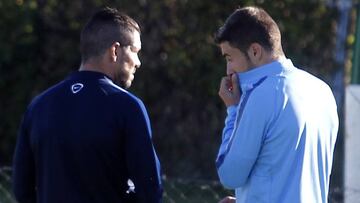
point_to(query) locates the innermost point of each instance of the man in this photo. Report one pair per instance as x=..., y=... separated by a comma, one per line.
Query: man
x=86, y=139
x=281, y=125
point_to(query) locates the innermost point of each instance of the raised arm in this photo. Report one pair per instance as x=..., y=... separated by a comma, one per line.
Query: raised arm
x=243, y=139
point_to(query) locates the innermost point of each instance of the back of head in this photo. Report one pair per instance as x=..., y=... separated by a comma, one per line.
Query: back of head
x=251, y=25
x=104, y=28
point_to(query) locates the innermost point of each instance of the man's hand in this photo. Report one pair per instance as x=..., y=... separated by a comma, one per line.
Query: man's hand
x=229, y=90
x=228, y=199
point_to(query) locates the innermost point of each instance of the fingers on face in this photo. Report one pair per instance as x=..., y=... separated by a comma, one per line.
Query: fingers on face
x=224, y=86
x=234, y=78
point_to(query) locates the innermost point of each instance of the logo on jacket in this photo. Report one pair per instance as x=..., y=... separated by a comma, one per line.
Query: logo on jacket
x=131, y=185
x=75, y=88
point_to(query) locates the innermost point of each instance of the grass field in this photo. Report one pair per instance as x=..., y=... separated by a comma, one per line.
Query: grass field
x=5, y=185
x=175, y=190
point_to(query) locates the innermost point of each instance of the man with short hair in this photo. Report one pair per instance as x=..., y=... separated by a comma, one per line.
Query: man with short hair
x=281, y=125
x=87, y=139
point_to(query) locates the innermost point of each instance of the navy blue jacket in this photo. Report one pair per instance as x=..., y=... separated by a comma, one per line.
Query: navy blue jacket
x=86, y=140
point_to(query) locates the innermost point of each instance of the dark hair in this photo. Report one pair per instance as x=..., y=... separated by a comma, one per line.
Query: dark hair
x=249, y=25
x=104, y=28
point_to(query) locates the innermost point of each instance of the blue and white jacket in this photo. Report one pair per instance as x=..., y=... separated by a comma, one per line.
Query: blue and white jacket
x=278, y=142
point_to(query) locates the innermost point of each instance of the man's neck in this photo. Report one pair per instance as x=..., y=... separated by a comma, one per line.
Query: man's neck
x=92, y=66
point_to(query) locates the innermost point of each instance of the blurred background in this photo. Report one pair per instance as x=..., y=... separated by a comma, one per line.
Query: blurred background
x=179, y=77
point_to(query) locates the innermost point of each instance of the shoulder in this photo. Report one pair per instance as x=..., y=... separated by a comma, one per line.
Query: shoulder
x=310, y=85
x=267, y=89
x=261, y=99
x=39, y=101
x=121, y=96
x=266, y=100
x=128, y=105
x=44, y=96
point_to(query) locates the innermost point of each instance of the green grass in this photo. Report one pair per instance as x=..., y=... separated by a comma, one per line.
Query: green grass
x=5, y=194
x=175, y=190
x=193, y=191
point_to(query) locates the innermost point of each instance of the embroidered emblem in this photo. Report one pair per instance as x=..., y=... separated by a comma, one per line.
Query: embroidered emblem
x=131, y=185
x=75, y=88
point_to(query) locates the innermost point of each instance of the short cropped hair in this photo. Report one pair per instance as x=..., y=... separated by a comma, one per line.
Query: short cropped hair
x=250, y=25
x=104, y=28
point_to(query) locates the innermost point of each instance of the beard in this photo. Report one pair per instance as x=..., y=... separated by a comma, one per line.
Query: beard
x=122, y=79
x=123, y=76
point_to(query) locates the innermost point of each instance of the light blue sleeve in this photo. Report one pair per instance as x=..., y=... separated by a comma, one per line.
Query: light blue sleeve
x=227, y=131
x=242, y=141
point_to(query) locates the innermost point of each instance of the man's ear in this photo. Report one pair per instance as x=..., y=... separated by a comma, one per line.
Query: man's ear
x=255, y=53
x=113, y=51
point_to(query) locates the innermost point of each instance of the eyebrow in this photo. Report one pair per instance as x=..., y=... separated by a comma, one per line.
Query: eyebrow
x=134, y=48
x=225, y=54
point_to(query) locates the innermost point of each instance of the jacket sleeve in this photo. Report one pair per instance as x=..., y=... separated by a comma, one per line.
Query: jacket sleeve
x=226, y=134
x=23, y=175
x=243, y=138
x=142, y=162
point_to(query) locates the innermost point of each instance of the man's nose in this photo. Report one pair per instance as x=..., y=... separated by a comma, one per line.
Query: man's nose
x=229, y=71
x=137, y=62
